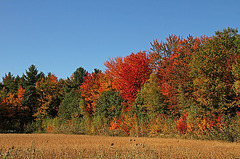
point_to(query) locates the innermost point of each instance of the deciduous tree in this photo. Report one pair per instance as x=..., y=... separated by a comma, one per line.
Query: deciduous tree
x=129, y=74
x=48, y=97
x=214, y=69
x=91, y=90
x=149, y=101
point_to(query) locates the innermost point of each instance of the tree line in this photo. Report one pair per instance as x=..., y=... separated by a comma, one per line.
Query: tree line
x=188, y=86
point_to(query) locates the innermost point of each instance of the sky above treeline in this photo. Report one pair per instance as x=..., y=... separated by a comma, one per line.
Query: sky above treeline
x=58, y=36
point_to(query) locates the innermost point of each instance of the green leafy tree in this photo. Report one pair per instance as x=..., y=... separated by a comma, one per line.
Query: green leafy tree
x=70, y=106
x=215, y=71
x=149, y=101
x=109, y=105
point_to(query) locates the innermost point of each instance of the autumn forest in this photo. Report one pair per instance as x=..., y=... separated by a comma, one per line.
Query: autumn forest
x=181, y=87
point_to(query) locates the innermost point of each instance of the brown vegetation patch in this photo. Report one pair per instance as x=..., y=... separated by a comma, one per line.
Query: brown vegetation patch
x=83, y=146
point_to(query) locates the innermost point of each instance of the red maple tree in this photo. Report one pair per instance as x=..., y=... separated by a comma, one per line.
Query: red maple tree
x=129, y=74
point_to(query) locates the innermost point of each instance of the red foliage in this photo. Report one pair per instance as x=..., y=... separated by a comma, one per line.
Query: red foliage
x=171, y=60
x=182, y=124
x=219, y=122
x=53, y=78
x=129, y=74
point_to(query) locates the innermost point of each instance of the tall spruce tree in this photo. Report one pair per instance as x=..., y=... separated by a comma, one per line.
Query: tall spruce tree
x=76, y=80
x=70, y=104
x=10, y=83
x=29, y=84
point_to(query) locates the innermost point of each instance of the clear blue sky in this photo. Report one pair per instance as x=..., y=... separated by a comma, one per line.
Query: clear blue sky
x=59, y=36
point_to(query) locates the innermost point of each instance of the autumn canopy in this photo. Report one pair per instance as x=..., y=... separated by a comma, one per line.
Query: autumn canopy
x=179, y=86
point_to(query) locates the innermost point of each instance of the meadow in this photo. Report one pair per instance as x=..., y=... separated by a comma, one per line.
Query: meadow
x=84, y=146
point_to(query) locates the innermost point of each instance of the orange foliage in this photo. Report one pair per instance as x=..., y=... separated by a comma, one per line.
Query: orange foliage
x=105, y=83
x=114, y=125
x=91, y=90
x=48, y=90
x=20, y=95
x=49, y=129
x=125, y=123
x=13, y=103
x=211, y=122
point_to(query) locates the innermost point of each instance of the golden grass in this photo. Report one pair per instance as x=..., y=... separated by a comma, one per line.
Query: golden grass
x=84, y=146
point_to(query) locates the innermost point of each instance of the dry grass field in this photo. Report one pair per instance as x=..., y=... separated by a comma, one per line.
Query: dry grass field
x=83, y=146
